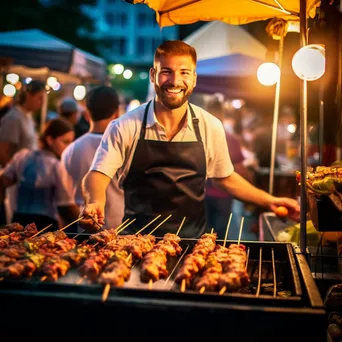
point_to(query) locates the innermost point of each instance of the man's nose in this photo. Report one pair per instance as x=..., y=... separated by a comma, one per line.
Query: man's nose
x=175, y=79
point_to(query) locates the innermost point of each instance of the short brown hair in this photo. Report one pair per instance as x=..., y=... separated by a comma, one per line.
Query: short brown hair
x=175, y=48
x=32, y=88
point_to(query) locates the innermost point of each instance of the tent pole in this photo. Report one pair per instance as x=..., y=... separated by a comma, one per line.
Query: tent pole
x=275, y=118
x=43, y=112
x=303, y=134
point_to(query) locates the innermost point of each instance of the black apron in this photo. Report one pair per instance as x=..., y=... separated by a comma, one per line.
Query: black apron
x=167, y=178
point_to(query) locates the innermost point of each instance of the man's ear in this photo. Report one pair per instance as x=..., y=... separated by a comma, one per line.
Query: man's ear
x=195, y=79
x=152, y=75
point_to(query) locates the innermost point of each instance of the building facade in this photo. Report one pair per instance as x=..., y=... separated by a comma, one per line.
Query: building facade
x=126, y=33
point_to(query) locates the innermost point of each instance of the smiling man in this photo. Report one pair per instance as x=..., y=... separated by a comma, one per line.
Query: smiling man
x=162, y=153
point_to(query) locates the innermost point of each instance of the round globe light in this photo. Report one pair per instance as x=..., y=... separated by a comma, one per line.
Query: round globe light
x=12, y=78
x=308, y=63
x=118, y=69
x=9, y=90
x=268, y=74
x=127, y=74
x=80, y=92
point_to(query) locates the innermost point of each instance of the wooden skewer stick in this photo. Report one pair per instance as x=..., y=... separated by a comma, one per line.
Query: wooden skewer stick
x=202, y=289
x=150, y=283
x=241, y=225
x=181, y=225
x=41, y=230
x=68, y=225
x=125, y=226
x=159, y=224
x=212, y=230
x=147, y=225
x=43, y=278
x=227, y=230
x=183, y=285
x=224, y=288
x=121, y=225
x=80, y=281
x=105, y=293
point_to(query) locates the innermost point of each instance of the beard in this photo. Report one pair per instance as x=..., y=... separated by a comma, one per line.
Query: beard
x=172, y=101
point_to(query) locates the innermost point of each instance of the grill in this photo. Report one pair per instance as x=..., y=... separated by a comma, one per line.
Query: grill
x=280, y=303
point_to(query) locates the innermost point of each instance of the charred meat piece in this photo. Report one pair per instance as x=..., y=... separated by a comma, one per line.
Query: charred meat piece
x=118, y=269
x=195, y=261
x=104, y=236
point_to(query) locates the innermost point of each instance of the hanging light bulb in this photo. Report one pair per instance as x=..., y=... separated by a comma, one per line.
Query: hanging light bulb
x=308, y=63
x=268, y=74
x=80, y=92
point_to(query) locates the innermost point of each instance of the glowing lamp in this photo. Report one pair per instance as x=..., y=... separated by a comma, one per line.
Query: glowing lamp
x=268, y=74
x=308, y=63
x=12, y=78
x=80, y=92
x=9, y=90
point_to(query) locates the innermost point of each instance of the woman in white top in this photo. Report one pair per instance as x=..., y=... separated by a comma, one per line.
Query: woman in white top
x=44, y=192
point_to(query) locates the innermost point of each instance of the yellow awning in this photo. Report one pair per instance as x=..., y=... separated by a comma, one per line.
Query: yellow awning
x=236, y=12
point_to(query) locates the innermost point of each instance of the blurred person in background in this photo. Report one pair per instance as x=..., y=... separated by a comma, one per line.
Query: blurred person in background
x=17, y=127
x=44, y=191
x=68, y=109
x=219, y=202
x=103, y=106
x=17, y=131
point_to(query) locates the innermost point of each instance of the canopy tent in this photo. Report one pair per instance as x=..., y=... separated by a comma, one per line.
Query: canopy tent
x=34, y=52
x=217, y=39
x=179, y=12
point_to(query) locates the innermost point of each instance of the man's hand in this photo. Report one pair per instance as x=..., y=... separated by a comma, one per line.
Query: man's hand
x=291, y=204
x=93, y=217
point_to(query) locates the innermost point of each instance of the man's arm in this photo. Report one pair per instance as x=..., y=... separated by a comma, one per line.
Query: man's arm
x=94, y=186
x=241, y=189
x=7, y=151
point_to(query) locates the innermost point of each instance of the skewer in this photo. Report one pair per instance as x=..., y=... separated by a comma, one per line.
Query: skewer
x=241, y=225
x=147, y=225
x=150, y=283
x=106, y=289
x=125, y=226
x=122, y=224
x=43, y=278
x=68, y=225
x=159, y=224
x=227, y=230
x=41, y=230
x=80, y=281
x=183, y=285
x=181, y=225
x=105, y=292
x=224, y=288
x=212, y=230
x=202, y=289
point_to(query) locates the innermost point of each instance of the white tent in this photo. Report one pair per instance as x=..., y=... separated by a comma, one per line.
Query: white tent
x=217, y=39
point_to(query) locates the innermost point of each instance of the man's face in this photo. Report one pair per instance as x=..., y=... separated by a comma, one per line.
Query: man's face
x=174, y=79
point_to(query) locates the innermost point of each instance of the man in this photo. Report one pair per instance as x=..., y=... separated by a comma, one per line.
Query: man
x=68, y=109
x=102, y=103
x=17, y=128
x=163, y=152
x=17, y=131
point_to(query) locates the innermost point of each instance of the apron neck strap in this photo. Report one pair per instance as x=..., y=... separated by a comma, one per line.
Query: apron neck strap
x=193, y=117
x=195, y=123
x=143, y=127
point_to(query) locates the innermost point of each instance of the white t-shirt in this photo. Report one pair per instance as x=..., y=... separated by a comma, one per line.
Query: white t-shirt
x=77, y=158
x=114, y=154
x=45, y=184
x=18, y=127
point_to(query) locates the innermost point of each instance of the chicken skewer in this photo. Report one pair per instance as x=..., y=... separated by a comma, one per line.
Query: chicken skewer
x=213, y=266
x=234, y=274
x=154, y=265
x=195, y=261
x=118, y=271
